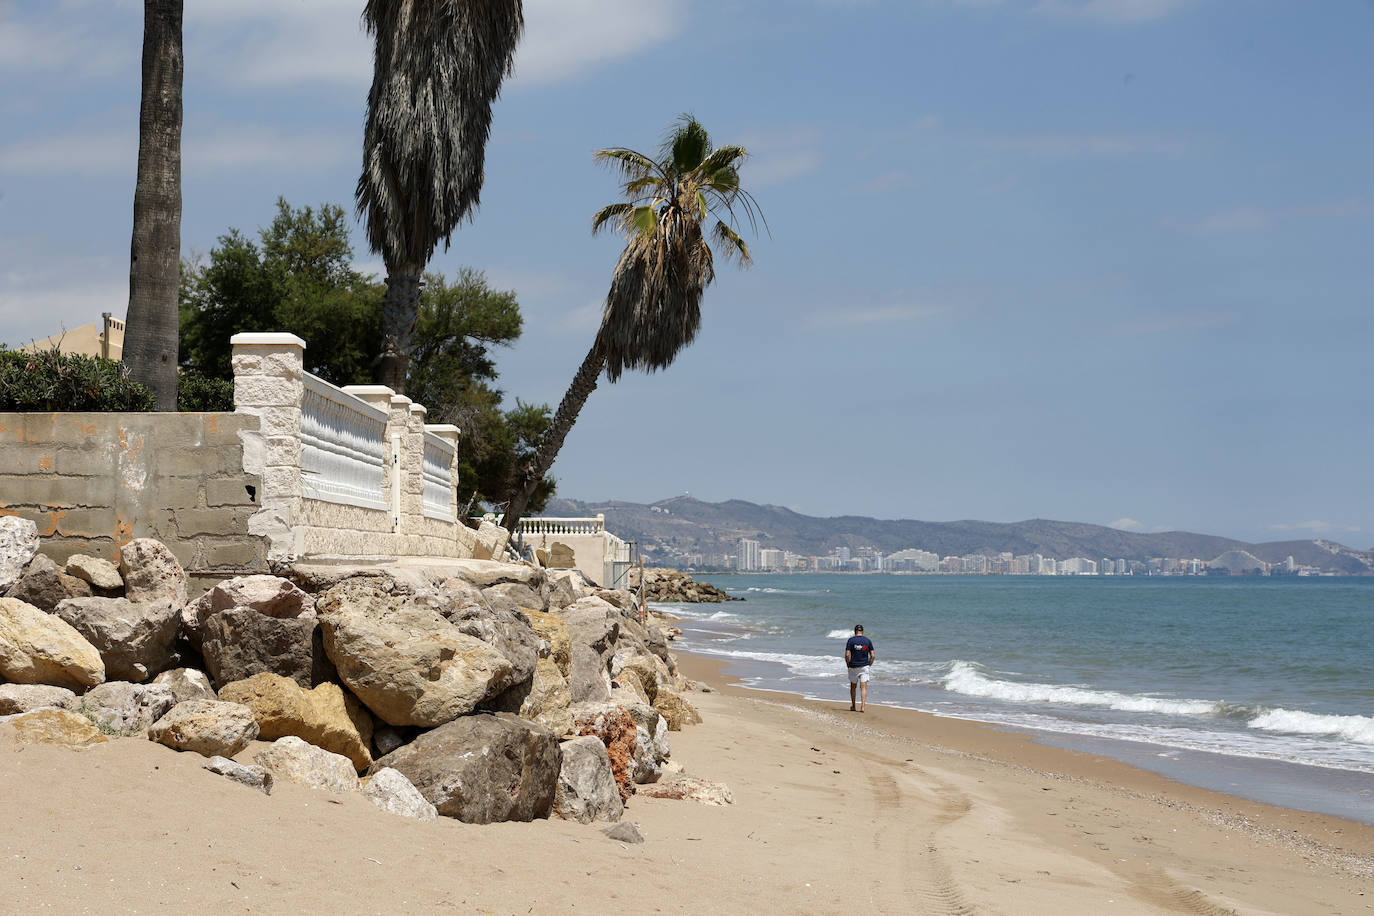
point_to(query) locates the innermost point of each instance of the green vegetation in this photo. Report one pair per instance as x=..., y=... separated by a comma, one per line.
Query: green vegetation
x=49, y=380
x=298, y=276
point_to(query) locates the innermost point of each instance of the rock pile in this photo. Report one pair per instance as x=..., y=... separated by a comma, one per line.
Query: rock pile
x=662, y=584
x=479, y=690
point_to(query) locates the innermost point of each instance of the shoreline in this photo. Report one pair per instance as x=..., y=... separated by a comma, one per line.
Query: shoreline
x=1013, y=748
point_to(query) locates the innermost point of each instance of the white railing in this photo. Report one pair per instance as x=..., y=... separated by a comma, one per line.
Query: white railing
x=438, y=475
x=534, y=526
x=342, y=447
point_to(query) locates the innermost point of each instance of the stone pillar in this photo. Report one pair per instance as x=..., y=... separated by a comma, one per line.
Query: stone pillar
x=413, y=466
x=269, y=382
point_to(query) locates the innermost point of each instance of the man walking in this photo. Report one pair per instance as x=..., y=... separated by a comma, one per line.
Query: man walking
x=858, y=655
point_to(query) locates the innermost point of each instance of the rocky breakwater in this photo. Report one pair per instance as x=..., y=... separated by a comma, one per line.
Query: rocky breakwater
x=479, y=690
x=662, y=584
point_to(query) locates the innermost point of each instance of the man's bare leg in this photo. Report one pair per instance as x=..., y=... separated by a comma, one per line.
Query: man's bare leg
x=863, y=694
x=852, y=688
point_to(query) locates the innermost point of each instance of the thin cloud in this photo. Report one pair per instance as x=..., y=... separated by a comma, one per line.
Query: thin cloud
x=770, y=171
x=1252, y=219
x=1126, y=524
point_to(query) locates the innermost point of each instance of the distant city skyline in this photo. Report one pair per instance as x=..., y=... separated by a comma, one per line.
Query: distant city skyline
x=1095, y=260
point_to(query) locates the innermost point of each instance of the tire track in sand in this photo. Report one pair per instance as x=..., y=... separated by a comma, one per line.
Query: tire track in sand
x=926, y=879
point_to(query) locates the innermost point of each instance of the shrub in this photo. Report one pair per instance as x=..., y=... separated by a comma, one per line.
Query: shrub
x=49, y=380
x=200, y=393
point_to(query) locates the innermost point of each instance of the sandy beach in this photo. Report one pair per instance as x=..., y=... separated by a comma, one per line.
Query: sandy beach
x=891, y=811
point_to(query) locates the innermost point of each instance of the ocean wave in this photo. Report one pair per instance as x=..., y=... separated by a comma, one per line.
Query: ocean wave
x=797, y=665
x=1359, y=729
x=839, y=634
x=965, y=678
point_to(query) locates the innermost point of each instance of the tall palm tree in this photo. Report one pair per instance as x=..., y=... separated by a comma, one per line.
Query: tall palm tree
x=653, y=308
x=437, y=68
x=150, y=338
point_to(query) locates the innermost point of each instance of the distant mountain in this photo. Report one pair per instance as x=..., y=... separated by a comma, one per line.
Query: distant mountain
x=686, y=525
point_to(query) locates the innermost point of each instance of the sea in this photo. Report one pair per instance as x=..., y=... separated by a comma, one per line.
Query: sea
x=1259, y=687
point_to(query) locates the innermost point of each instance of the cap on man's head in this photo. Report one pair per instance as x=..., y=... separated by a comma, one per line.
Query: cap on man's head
x=858, y=628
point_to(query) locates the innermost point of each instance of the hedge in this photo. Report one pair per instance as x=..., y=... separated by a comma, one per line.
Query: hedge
x=51, y=381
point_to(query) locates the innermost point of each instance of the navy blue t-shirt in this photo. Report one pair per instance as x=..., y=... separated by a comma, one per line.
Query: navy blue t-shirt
x=860, y=650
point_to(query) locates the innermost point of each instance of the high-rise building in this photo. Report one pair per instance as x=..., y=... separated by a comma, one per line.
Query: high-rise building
x=770, y=558
x=748, y=559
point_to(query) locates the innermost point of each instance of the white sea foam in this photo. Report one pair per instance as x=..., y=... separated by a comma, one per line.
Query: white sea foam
x=797, y=665
x=964, y=677
x=839, y=634
x=1359, y=729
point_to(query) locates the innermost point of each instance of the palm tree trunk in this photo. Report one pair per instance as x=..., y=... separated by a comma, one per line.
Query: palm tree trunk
x=150, y=338
x=399, y=312
x=583, y=384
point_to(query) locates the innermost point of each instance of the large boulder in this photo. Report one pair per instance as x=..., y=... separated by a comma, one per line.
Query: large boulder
x=486, y=573
x=588, y=679
x=586, y=786
x=99, y=573
x=512, y=597
x=151, y=573
x=675, y=709
x=187, y=684
x=18, y=545
x=303, y=763
x=61, y=727
x=407, y=663
x=483, y=768
x=17, y=698
x=38, y=648
x=43, y=584
x=567, y=586
x=639, y=673
x=593, y=622
x=208, y=727
x=617, y=731
x=509, y=632
x=644, y=751
x=134, y=640
x=127, y=709
x=271, y=596
x=389, y=790
x=326, y=716
x=240, y=642
x=544, y=698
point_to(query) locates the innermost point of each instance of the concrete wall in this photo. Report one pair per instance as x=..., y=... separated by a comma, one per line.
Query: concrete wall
x=94, y=481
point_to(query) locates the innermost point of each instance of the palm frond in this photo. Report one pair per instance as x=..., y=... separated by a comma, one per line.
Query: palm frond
x=616, y=212
x=630, y=165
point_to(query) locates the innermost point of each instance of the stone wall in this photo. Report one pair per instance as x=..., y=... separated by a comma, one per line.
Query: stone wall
x=93, y=481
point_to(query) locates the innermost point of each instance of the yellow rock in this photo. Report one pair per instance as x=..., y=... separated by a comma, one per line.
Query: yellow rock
x=53, y=726
x=40, y=648
x=553, y=628
x=327, y=717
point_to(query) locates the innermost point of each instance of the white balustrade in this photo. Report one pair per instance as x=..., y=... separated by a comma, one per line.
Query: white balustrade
x=438, y=475
x=342, y=447
x=545, y=525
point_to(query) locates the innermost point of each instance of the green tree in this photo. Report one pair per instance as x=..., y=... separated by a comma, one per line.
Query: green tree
x=653, y=308
x=298, y=276
x=150, y=339
x=437, y=68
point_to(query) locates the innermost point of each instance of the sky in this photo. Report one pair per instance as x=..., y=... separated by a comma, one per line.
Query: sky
x=1094, y=260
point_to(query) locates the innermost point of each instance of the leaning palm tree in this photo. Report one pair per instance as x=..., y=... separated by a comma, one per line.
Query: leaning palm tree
x=150, y=339
x=437, y=69
x=653, y=308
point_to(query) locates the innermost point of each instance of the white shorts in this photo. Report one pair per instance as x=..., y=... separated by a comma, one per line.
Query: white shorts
x=858, y=675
